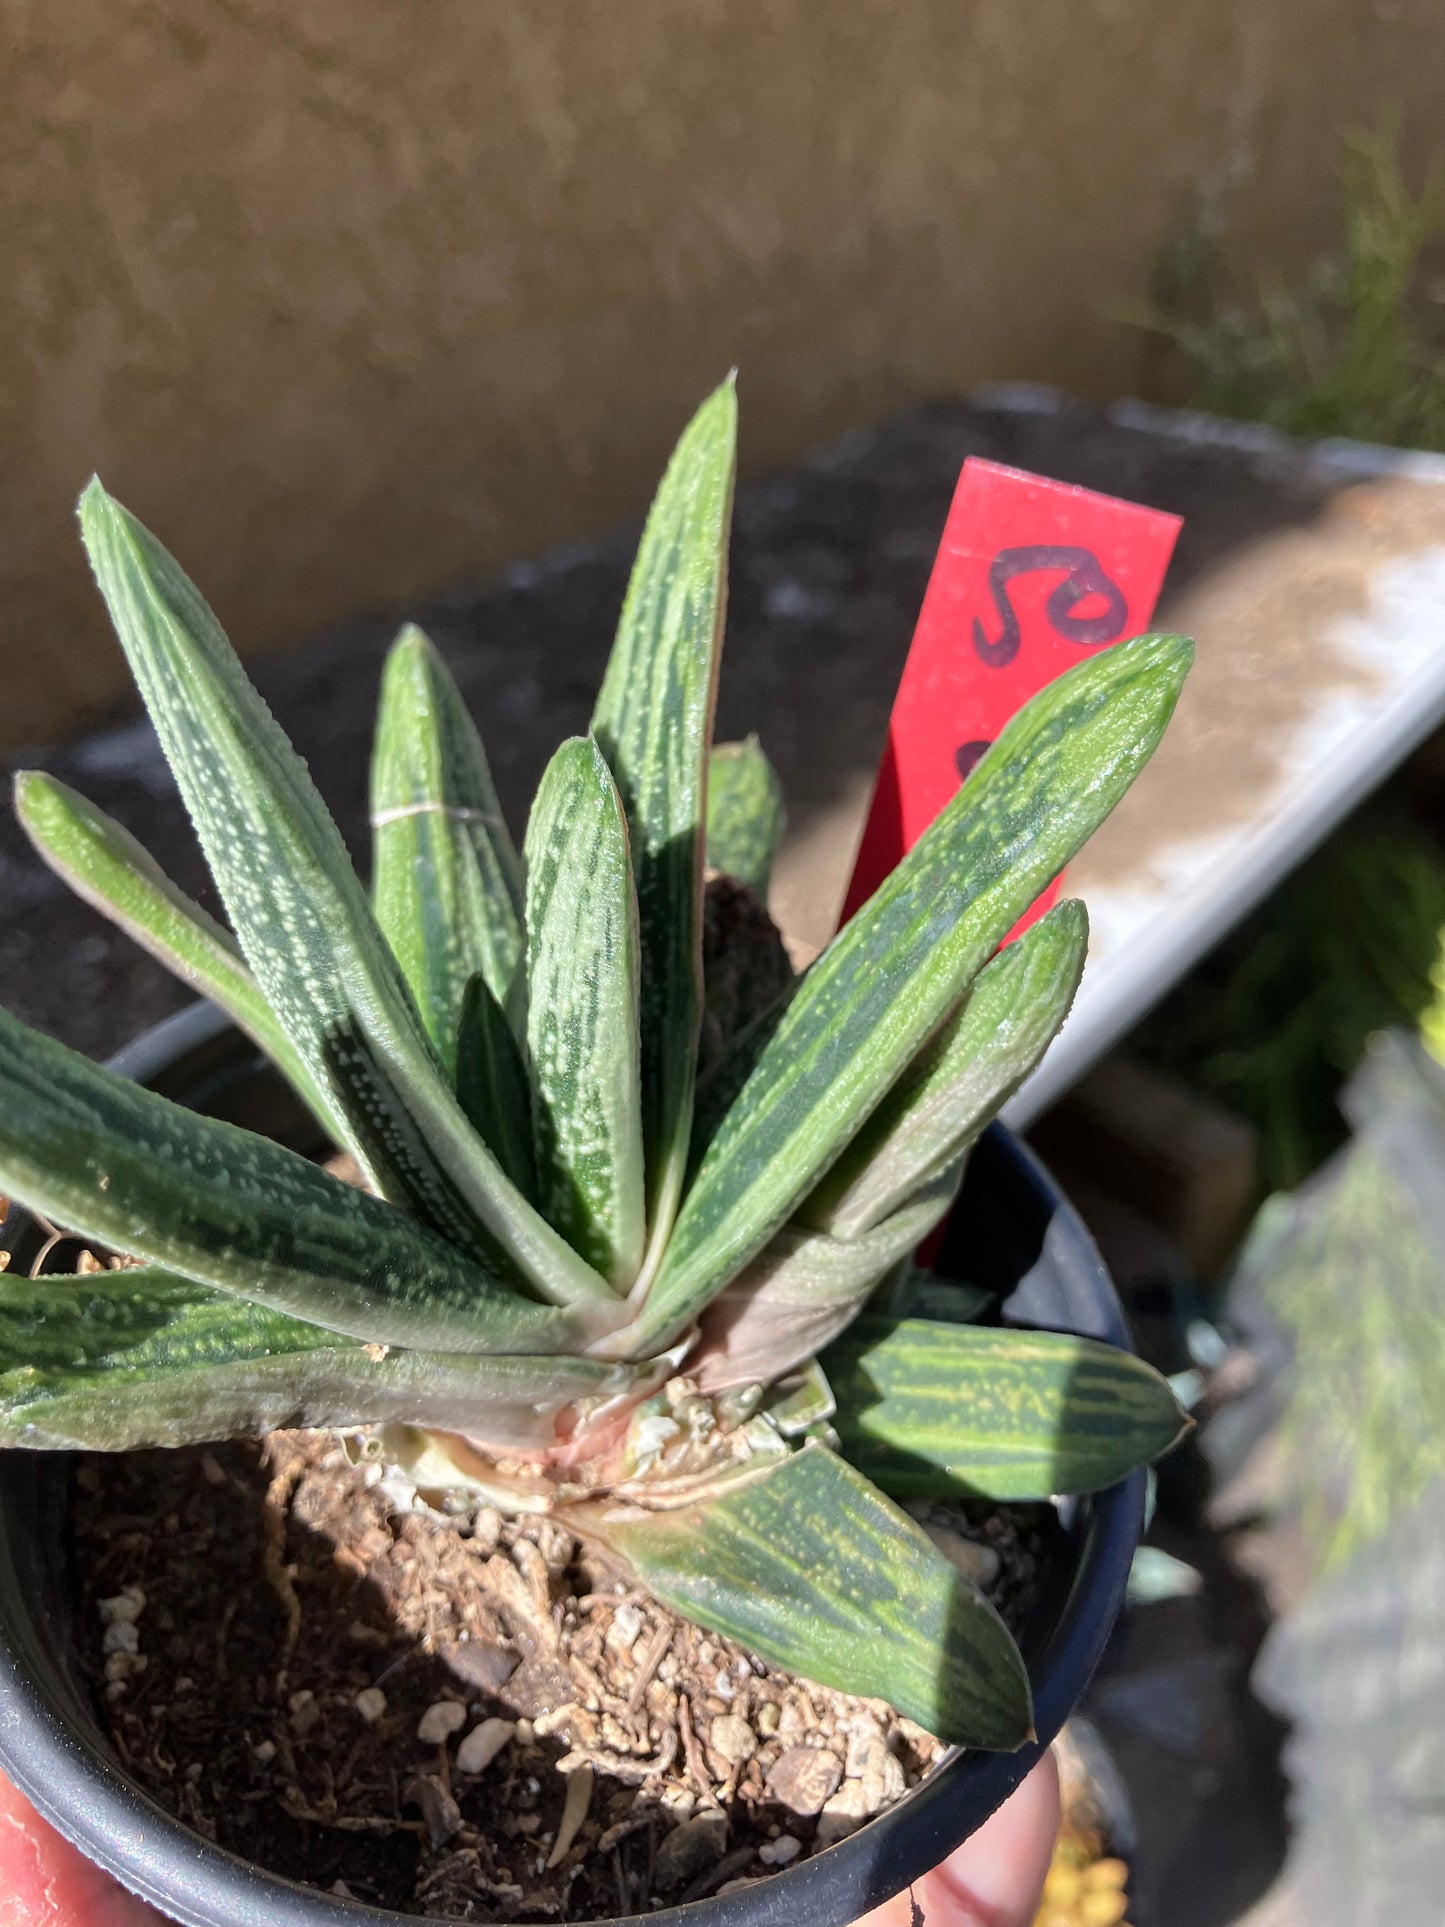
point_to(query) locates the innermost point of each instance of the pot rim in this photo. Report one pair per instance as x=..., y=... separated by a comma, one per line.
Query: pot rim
x=75, y=1783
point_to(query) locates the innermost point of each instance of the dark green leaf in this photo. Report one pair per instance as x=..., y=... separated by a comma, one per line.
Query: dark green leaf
x=654, y=722
x=745, y=815
x=446, y=880
x=103, y=863
x=886, y=982
x=123, y=1359
x=492, y=1084
x=811, y=1567
x=961, y=1080
x=302, y=918
x=931, y=1409
x=140, y=1175
x=582, y=1016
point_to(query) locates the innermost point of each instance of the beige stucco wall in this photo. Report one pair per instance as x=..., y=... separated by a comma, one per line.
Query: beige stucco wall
x=353, y=300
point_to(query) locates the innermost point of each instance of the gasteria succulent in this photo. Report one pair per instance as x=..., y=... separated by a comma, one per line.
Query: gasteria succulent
x=631, y=1187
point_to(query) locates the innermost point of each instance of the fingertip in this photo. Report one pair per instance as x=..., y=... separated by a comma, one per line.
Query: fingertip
x=46, y=1883
x=996, y=1878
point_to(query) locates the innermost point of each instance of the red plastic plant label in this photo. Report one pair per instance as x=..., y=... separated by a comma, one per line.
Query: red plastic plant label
x=1030, y=576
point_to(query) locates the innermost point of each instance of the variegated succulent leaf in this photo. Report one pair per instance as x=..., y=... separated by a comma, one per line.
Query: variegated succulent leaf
x=948, y=1410
x=961, y=1080
x=582, y=1013
x=446, y=879
x=137, y=1174
x=889, y=979
x=105, y=865
x=302, y=919
x=809, y=1565
x=745, y=814
x=121, y=1359
x=653, y=721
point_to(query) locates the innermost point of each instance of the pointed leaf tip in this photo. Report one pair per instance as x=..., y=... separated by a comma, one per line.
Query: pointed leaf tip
x=446, y=879
x=896, y=970
x=811, y=1567
x=932, y=1409
x=653, y=722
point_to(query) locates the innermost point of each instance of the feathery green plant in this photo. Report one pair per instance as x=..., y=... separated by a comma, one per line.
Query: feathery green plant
x=626, y=1177
x=1354, y=346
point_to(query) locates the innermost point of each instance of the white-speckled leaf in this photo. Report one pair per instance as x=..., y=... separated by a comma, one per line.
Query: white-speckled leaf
x=745, y=814
x=961, y=1080
x=125, y=1359
x=103, y=863
x=654, y=723
x=301, y=917
x=446, y=880
x=892, y=975
x=582, y=1013
x=492, y=1084
x=133, y=1172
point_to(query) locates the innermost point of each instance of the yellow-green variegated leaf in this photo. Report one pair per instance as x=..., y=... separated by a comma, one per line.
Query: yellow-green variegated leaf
x=892, y=975
x=582, y=1013
x=961, y=1080
x=492, y=1084
x=446, y=880
x=302, y=918
x=103, y=863
x=745, y=814
x=654, y=723
x=801, y=1290
x=812, y=1567
x=123, y=1359
x=934, y=1410
x=128, y=1169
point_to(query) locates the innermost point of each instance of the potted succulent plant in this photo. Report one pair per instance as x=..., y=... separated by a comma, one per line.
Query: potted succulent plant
x=624, y=1261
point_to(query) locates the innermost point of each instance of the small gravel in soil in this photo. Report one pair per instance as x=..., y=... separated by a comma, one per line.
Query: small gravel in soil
x=470, y=1718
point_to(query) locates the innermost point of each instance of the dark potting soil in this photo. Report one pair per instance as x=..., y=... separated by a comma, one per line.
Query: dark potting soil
x=471, y=1719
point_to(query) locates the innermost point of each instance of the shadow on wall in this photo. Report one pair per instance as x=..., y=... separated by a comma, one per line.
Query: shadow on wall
x=829, y=564
x=352, y=309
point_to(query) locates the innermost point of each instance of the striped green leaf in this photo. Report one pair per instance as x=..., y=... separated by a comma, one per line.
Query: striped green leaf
x=654, y=723
x=745, y=814
x=961, y=1080
x=124, y=1359
x=104, y=864
x=134, y=1172
x=582, y=1013
x=446, y=880
x=934, y=1410
x=801, y=1290
x=810, y=1566
x=890, y=978
x=301, y=917
x=492, y=1084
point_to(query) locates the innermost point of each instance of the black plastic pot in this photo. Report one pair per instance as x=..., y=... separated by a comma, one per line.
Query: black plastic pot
x=1019, y=1235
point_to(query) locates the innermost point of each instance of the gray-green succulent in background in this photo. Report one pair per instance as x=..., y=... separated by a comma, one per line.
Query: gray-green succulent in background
x=626, y=1177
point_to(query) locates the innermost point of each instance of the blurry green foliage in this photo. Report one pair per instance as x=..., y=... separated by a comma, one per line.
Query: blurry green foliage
x=1275, y=1020
x=1353, y=1267
x=1356, y=347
